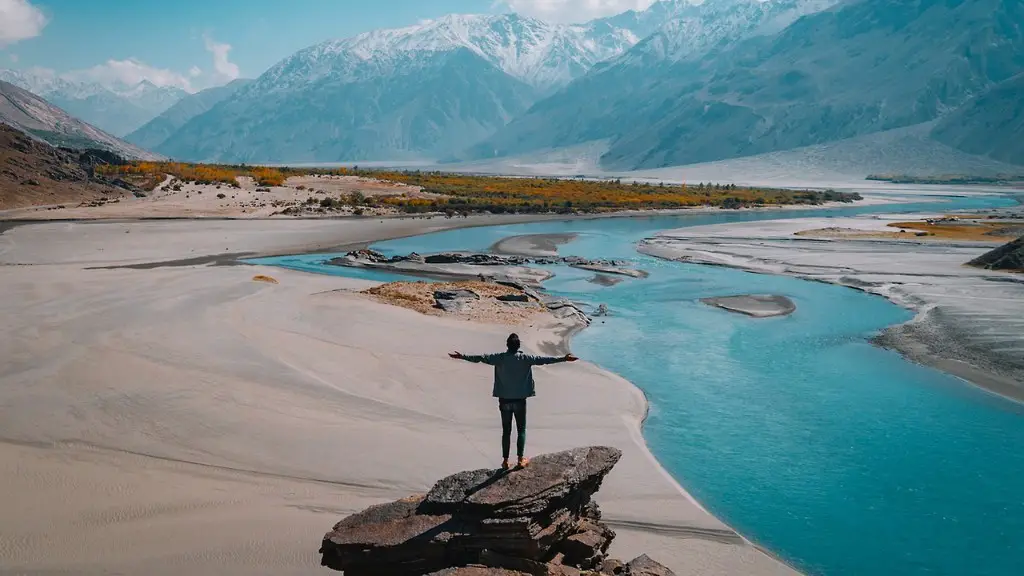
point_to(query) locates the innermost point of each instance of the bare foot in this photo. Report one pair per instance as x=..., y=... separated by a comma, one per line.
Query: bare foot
x=504, y=465
x=523, y=462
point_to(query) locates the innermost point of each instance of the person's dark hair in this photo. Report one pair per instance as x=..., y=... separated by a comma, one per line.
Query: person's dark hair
x=513, y=342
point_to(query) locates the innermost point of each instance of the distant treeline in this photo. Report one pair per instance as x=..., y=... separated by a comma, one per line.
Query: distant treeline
x=199, y=173
x=463, y=194
x=954, y=179
x=472, y=193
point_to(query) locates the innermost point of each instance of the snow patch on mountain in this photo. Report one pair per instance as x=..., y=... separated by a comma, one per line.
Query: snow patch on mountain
x=694, y=29
x=117, y=108
x=540, y=54
x=45, y=83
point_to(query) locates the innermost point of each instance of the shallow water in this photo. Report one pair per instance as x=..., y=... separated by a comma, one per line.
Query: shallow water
x=842, y=458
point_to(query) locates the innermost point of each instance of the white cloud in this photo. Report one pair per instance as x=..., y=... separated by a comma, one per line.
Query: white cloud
x=225, y=70
x=127, y=73
x=124, y=74
x=19, y=20
x=119, y=74
x=574, y=10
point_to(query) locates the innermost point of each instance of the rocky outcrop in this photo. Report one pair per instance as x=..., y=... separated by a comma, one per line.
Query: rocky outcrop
x=505, y=270
x=371, y=258
x=447, y=266
x=454, y=300
x=539, y=520
x=1007, y=257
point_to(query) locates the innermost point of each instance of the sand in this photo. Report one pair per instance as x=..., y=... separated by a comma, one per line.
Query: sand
x=970, y=322
x=344, y=185
x=223, y=201
x=185, y=419
x=533, y=245
x=755, y=305
x=981, y=229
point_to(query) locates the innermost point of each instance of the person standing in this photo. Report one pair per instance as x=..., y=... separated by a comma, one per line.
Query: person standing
x=513, y=384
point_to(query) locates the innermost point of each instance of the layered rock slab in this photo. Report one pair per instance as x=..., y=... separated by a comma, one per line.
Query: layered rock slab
x=538, y=520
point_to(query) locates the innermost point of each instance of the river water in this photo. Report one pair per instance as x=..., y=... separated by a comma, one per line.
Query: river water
x=839, y=457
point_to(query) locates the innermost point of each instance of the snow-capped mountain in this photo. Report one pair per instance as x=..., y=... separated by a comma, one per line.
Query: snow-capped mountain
x=691, y=30
x=732, y=78
x=536, y=53
x=420, y=91
x=643, y=23
x=117, y=109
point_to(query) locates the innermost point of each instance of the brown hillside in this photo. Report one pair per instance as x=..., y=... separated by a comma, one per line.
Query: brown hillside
x=33, y=173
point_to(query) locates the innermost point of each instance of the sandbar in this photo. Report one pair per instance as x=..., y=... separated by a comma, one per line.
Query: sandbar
x=535, y=245
x=756, y=305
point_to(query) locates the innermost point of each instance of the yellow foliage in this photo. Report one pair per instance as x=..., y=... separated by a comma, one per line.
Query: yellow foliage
x=466, y=193
x=200, y=173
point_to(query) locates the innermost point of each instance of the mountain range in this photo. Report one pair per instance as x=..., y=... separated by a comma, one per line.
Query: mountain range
x=117, y=109
x=834, y=73
x=419, y=91
x=681, y=82
x=154, y=133
x=45, y=122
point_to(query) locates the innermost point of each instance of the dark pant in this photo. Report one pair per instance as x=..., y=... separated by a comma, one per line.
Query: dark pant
x=512, y=409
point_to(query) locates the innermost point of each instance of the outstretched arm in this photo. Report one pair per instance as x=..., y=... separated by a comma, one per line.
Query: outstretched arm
x=485, y=359
x=542, y=360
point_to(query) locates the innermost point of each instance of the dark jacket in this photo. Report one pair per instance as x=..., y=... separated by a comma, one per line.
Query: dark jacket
x=513, y=372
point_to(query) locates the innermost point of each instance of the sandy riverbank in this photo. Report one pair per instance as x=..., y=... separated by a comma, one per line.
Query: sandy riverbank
x=182, y=418
x=970, y=322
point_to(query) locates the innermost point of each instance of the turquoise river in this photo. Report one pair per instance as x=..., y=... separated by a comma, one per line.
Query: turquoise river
x=841, y=458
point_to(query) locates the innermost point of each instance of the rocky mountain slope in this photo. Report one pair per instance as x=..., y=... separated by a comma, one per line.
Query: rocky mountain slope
x=37, y=117
x=159, y=129
x=117, y=110
x=677, y=84
x=420, y=91
x=537, y=53
x=1009, y=256
x=34, y=173
x=852, y=69
x=991, y=124
x=432, y=103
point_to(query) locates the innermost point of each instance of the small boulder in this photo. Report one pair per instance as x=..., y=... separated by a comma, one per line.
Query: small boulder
x=612, y=567
x=644, y=566
x=514, y=298
x=455, y=295
x=586, y=548
x=454, y=301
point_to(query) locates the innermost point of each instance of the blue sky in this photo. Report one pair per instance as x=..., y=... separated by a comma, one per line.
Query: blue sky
x=206, y=42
